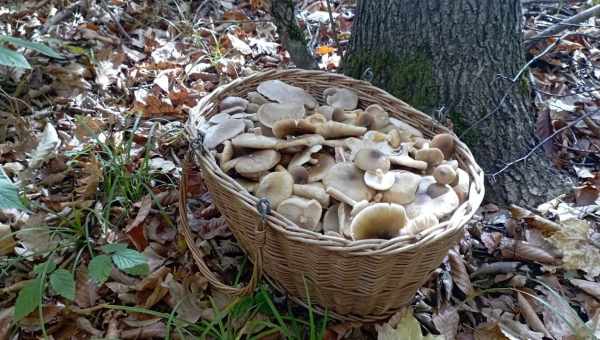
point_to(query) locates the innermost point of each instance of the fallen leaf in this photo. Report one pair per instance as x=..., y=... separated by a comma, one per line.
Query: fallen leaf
x=86, y=290
x=446, y=321
x=6, y=320
x=407, y=328
x=323, y=49
x=489, y=331
x=188, y=307
x=586, y=195
x=459, y=273
x=88, y=185
x=592, y=288
x=48, y=143
x=239, y=45
x=521, y=250
x=7, y=242
x=135, y=229
x=577, y=250
x=531, y=316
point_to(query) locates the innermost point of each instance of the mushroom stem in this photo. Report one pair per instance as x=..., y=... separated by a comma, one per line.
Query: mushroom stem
x=340, y=196
x=312, y=191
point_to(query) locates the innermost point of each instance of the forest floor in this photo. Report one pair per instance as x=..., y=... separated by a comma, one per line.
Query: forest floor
x=91, y=148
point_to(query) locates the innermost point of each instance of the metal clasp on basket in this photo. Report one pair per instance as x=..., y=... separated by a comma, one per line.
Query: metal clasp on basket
x=264, y=208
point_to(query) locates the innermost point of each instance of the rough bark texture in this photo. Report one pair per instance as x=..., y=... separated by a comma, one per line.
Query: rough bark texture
x=292, y=37
x=447, y=54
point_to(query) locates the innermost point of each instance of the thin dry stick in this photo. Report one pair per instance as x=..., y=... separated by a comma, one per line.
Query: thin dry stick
x=116, y=20
x=568, y=126
x=333, y=26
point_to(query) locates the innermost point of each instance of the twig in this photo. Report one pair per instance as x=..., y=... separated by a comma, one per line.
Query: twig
x=561, y=26
x=333, y=26
x=62, y=15
x=568, y=126
x=116, y=20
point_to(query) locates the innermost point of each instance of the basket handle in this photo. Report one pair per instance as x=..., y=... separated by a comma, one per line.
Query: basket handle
x=197, y=254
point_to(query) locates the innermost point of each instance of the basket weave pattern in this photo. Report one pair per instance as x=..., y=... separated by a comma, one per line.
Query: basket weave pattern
x=363, y=280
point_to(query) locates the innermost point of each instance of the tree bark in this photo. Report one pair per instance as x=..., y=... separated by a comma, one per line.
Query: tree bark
x=447, y=54
x=291, y=36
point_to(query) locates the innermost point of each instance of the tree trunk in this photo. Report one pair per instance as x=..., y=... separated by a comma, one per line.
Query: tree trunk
x=291, y=36
x=445, y=56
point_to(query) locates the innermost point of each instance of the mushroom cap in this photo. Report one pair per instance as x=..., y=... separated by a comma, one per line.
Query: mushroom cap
x=257, y=98
x=299, y=174
x=404, y=189
x=341, y=97
x=441, y=206
x=402, y=126
x=365, y=119
x=305, y=213
x=312, y=191
x=444, y=174
x=219, y=133
x=276, y=187
x=279, y=91
x=379, y=221
x=461, y=184
x=301, y=158
x=302, y=141
x=444, y=142
x=379, y=115
x=268, y=114
x=432, y=156
x=407, y=161
x=370, y=159
x=348, y=179
x=420, y=223
x=318, y=171
x=379, y=180
x=292, y=127
x=252, y=108
x=326, y=111
x=258, y=161
x=229, y=102
x=253, y=141
x=333, y=129
x=316, y=119
x=330, y=220
x=219, y=118
x=247, y=184
x=227, y=154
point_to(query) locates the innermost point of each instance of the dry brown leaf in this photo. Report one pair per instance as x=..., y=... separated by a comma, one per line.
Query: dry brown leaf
x=88, y=186
x=88, y=127
x=135, y=229
x=531, y=316
x=459, y=273
x=533, y=220
x=577, y=250
x=543, y=129
x=6, y=318
x=592, y=288
x=586, y=195
x=7, y=242
x=50, y=314
x=86, y=290
x=446, y=321
x=188, y=308
x=489, y=331
x=155, y=330
x=520, y=250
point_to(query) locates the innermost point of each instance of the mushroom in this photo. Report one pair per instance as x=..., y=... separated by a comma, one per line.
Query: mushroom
x=316, y=119
x=227, y=154
x=444, y=174
x=379, y=221
x=343, y=198
x=344, y=220
x=407, y=161
x=380, y=117
x=305, y=213
x=348, y=179
x=257, y=98
x=331, y=224
x=281, y=92
x=303, y=141
x=404, y=189
x=461, y=184
x=318, y=171
x=436, y=199
x=394, y=138
x=219, y=133
x=229, y=102
x=419, y=224
x=219, y=118
x=444, y=142
x=402, y=126
x=276, y=187
x=326, y=111
x=369, y=159
x=252, y=108
x=339, y=115
x=305, y=156
x=299, y=174
x=341, y=97
x=379, y=180
x=269, y=114
x=333, y=129
x=253, y=141
x=247, y=184
x=292, y=127
x=432, y=156
x=256, y=162
x=312, y=191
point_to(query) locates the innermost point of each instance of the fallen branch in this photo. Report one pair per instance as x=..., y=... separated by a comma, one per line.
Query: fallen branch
x=561, y=26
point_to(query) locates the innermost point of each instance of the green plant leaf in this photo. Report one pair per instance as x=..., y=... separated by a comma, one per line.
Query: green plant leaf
x=63, y=282
x=29, y=298
x=13, y=59
x=38, y=47
x=113, y=248
x=9, y=193
x=130, y=261
x=99, y=268
x=48, y=266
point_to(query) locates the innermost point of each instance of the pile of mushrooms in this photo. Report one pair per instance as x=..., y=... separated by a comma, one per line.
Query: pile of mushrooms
x=336, y=168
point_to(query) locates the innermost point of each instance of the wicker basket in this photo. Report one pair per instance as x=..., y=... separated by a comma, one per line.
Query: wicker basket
x=363, y=280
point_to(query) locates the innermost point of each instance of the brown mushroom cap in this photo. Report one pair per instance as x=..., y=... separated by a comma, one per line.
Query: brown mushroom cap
x=369, y=159
x=303, y=157
x=281, y=92
x=256, y=98
x=342, y=98
x=407, y=161
x=269, y=114
x=444, y=142
x=253, y=141
x=326, y=111
x=312, y=191
x=379, y=116
x=252, y=108
x=442, y=205
x=404, y=189
x=305, y=213
x=444, y=174
x=420, y=223
x=227, y=154
x=229, y=102
x=318, y=171
x=276, y=187
x=379, y=221
x=316, y=119
x=219, y=118
x=348, y=179
x=292, y=127
x=258, y=161
x=219, y=133
x=402, y=126
x=461, y=184
x=432, y=156
x=299, y=174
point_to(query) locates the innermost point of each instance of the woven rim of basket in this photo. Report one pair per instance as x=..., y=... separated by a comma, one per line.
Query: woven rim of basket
x=367, y=92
